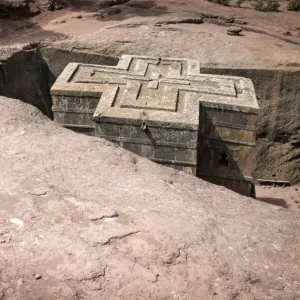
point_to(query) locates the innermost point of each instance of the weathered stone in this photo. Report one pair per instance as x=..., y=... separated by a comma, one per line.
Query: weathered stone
x=164, y=109
x=240, y=21
x=232, y=30
x=113, y=11
x=16, y=9
x=287, y=33
x=33, y=9
x=37, y=276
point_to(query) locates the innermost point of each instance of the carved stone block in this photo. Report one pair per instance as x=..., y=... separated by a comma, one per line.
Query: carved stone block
x=166, y=110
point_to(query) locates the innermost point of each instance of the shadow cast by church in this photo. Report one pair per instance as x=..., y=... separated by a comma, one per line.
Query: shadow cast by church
x=274, y=201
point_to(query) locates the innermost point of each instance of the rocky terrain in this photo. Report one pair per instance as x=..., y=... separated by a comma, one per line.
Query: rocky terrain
x=84, y=219
x=267, y=52
x=16, y=9
x=81, y=218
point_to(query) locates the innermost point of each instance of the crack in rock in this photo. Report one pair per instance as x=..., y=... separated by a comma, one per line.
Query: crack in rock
x=156, y=278
x=176, y=257
x=37, y=192
x=95, y=275
x=112, y=216
x=118, y=237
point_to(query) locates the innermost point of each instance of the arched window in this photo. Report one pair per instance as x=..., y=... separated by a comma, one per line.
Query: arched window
x=223, y=160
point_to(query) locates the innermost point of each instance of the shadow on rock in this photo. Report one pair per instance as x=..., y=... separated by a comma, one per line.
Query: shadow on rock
x=274, y=201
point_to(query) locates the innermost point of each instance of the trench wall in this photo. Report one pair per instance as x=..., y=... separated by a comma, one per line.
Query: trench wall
x=29, y=75
x=278, y=126
x=26, y=76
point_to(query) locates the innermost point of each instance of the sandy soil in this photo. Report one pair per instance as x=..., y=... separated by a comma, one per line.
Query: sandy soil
x=84, y=219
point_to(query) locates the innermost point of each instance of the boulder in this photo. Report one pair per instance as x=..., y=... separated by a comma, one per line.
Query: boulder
x=233, y=30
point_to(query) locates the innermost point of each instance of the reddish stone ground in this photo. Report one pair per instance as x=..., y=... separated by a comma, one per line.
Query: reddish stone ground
x=84, y=219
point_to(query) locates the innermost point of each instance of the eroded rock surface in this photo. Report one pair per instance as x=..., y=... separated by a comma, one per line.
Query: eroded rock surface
x=84, y=219
x=16, y=9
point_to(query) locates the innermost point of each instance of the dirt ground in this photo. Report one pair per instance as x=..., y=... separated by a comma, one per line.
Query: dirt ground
x=136, y=28
x=81, y=218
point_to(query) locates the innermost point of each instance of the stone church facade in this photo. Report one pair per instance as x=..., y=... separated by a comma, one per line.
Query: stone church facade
x=166, y=110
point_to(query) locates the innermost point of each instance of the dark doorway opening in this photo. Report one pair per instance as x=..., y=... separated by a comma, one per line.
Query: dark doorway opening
x=223, y=160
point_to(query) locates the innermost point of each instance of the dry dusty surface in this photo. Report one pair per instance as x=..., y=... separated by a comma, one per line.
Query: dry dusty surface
x=81, y=218
x=138, y=27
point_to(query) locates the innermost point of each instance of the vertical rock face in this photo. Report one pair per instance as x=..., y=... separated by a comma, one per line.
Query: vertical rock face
x=26, y=76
